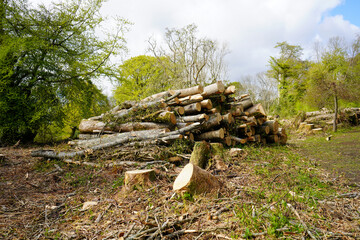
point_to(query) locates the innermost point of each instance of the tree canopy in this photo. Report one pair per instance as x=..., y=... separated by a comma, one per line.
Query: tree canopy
x=139, y=77
x=49, y=58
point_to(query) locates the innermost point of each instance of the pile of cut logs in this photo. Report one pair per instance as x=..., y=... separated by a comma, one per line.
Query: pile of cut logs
x=318, y=121
x=222, y=117
x=212, y=113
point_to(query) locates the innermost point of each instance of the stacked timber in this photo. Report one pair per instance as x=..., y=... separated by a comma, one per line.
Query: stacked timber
x=223, y=117
x=318, y=121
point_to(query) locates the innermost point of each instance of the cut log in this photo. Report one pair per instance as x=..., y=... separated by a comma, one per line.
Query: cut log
x=179, y=110
x=190, y=99
x=115, y=140
x=256, y=110
x=206, y=104
x=214, y=120
x=265, y=130
x=180, y=125
x=200, y=154
x=272, y=138
x=228, y=141
x=88, y=126
x=246, y=103
x=157, y=96
x=230, y=90
x=227, y=118
x=192, y=108
x=161, y=117
x=282, y=138
x=217, y=134
x=193, y=118
x=273, y=126
x=187, y=91
x=214, y=88
x=156, y=105
x=139, y=178
x=213, y=110
x=137, y=126
x=239, y=140
x=195, y=180
x=317, y=130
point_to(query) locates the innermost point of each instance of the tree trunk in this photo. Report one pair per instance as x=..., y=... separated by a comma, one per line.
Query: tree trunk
x=187, y=91
x=190, y=99
x=256, y=110
x=212, y=89
x=137, y=126
x=139, y=178
x=192, y=108
x=206, y=104
x=273, y=126
x=239, y=140
x=195, y=180
x=230, y=90
x=200, y=154
x=335, y=113
x=88, y=126
x=217, y=134
x=161, y=117
x=214, y=120
x=193, y=118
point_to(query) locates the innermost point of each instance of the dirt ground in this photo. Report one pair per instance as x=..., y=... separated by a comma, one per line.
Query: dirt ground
x=44, y=199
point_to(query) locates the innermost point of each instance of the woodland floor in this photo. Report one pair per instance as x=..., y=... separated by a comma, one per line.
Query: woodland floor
x=270, y=192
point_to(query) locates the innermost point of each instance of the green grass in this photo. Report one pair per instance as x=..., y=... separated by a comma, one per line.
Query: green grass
x=284, y=177
x=341, y=154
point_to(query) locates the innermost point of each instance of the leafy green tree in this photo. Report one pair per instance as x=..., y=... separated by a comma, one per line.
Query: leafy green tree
x=336, y=75
x=139, y=77
x=188, y=60
x=289, y=71
x=49, y=57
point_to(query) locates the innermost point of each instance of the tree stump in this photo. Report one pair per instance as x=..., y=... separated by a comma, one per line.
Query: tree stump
x=195, y=180
x=139, y=178
x=200, y=154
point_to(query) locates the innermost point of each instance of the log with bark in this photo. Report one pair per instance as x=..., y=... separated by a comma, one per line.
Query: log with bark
x=193, y=108
x=214, y=88
x=200, y=154
x=187, y=91
x=216, y=134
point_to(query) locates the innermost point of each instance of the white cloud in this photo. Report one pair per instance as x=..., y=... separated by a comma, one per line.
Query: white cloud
x=250, y=28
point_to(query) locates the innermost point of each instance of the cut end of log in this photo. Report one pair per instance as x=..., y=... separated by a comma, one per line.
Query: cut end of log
x=230, y=90
x=195, y=180
x=184, y=177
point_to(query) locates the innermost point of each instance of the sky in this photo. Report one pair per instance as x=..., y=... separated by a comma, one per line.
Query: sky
x=250, y=28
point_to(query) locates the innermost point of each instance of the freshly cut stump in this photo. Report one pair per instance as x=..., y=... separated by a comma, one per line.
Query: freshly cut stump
x=141, y=178
x=195, y=180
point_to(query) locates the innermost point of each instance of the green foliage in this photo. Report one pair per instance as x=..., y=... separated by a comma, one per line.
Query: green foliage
x=49, y=57
x=139, y=77
x=289, y=70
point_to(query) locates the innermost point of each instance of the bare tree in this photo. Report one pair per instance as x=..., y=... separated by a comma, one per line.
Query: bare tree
x=190, y=60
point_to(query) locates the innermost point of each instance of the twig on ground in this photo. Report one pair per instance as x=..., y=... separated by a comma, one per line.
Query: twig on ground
x=301, y=221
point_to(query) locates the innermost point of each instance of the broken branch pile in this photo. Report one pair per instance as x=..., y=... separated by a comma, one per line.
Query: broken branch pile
x=212, y=113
